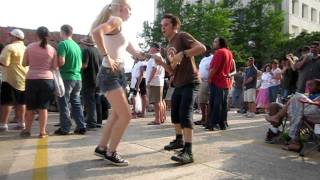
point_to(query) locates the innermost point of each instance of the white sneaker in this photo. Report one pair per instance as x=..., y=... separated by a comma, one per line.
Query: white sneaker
x=20, y=126
x=3, y=127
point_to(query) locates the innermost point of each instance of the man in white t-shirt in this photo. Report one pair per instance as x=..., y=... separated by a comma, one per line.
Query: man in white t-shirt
x=155, y=81
x=274, y=88
x=203, y=95
x=138, y=84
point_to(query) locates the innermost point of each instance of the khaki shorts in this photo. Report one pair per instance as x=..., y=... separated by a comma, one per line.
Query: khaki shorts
x=249, y=95
x=204, y=93
x=155, y=94
x=169, y=93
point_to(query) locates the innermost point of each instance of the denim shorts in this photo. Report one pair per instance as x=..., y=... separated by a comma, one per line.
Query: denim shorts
x=108, y=80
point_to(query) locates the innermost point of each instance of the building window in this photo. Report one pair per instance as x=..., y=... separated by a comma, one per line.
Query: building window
x=295, y=7
x=295, y=31
x=313, y=15
x=305, y=12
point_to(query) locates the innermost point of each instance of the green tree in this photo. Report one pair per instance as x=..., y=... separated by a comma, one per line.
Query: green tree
x=203, y=20
x=261, y=21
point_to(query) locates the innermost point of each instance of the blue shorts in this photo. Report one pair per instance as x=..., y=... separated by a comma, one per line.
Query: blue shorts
x=108, y=80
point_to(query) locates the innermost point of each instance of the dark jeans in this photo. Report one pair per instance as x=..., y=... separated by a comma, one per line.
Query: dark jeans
x=273, y=92
x=92, y=107
x=218, y=105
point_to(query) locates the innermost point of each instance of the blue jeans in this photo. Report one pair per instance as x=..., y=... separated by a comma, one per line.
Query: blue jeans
x=92, y=106
x=218, y=105
x=237, y=98
x=72, y=95
x=273, y=92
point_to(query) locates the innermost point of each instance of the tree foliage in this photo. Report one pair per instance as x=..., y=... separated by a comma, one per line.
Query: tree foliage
x=261, y=21
x=203, y=20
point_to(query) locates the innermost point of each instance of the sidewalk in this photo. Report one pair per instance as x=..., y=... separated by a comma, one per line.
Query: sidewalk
x=237, y=153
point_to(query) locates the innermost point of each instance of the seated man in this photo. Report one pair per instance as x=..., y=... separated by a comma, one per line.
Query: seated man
x=293, y=110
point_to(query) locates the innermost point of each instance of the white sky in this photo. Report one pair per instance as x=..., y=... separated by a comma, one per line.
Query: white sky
x=78, y=13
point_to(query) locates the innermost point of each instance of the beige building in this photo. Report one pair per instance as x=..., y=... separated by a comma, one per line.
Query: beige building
x=300, y=15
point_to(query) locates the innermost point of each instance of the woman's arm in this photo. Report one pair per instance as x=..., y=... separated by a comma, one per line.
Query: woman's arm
x=55, y=61
x=98, y=35
x=25, y=61
x=134, y=52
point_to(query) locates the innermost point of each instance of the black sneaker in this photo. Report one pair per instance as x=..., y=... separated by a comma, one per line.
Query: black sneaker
x=183, y=157
x=116, y=159
x=81, y=131
x=198, y=123
x=175, y=144
x=61, y=132
x=271, y=137
x=100, y=152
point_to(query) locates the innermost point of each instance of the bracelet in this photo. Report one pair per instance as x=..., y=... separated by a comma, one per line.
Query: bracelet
x=105, y=55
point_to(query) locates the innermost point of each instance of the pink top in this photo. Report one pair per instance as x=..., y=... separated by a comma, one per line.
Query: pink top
x=40, y=61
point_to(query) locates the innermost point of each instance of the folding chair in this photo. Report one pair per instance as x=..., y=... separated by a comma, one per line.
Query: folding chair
x=307, y=129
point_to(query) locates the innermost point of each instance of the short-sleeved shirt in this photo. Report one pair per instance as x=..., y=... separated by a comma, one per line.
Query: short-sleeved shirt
x=40, y=61
x=251, y=72
x=186, y=72
x=158, y=78
x=223, y=62
x=92, y=58
x=204, y=67
x=275, y=72
x=310, y=70
x=72, y=54
x=13, y=71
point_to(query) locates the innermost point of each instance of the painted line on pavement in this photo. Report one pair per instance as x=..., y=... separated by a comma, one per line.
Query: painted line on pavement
x=40, y=164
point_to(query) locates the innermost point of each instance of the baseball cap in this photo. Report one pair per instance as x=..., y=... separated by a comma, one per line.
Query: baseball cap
x=17, y=33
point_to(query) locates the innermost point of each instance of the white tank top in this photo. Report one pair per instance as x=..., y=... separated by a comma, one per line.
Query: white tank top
x=116, y=45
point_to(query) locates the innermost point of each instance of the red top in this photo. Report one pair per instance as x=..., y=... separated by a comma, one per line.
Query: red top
x=222, y=62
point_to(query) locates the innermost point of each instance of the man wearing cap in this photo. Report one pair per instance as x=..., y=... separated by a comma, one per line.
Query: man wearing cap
x=155, y=82
x=13, y=80
x=91, y=60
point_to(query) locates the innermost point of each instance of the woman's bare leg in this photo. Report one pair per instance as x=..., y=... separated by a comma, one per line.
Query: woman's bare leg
x=119, y=120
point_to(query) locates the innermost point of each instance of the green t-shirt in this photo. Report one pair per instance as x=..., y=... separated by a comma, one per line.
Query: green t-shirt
x=71, y=52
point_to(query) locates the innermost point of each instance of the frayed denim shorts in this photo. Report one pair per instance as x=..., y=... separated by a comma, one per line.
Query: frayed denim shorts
x=107, y=80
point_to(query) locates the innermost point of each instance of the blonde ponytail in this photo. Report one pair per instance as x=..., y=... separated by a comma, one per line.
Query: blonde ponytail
x=103, y=17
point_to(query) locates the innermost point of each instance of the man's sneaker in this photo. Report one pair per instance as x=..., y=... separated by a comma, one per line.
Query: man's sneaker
x=116, y=159
x=183, y=157
x=100, y=152
x=271, y=137
x=61, y=132
x=3, y=127
x=81, y=131
x=175, y=144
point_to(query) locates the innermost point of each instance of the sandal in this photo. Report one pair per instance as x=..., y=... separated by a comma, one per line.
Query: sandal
x=43, y=135
x=153, y=123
